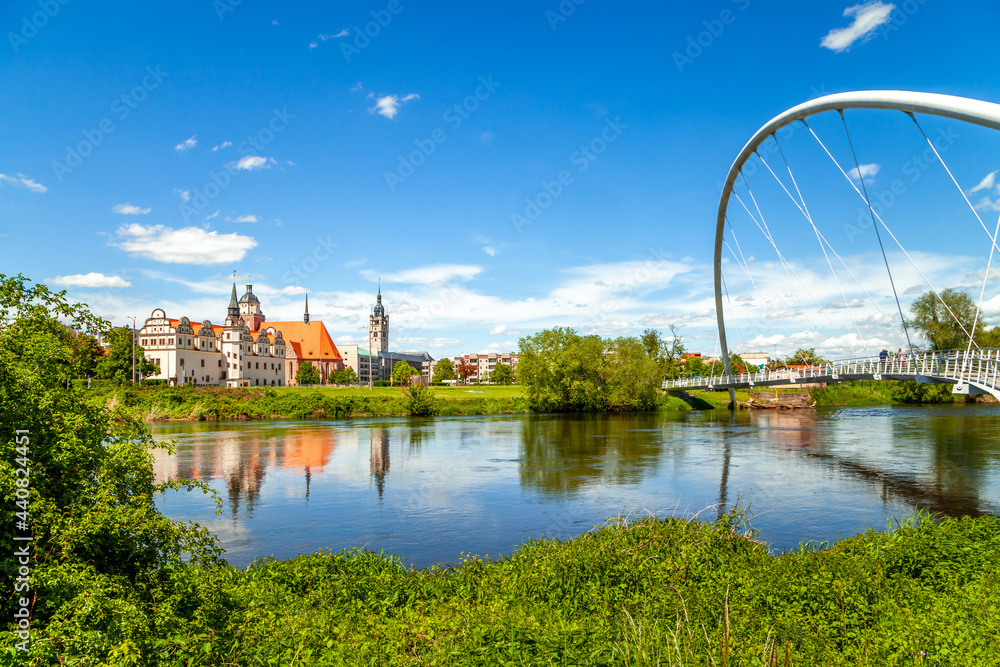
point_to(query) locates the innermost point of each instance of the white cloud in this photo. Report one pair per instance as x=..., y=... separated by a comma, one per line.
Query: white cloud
x=357, y=87
x=342, y=33
x=356, y=262
x=275, y=22
x=867, y=18
x=22, y=181
x=244, y=218
x=498, y=330
x=209, y=217
x=490, y=250
x=130, y=209
x=224, y=144
x=88, y=280
x=427, y=275
x=866, y=171
x=313, y=45
x=188, y=245
x=190, y=142
x=388, y=105
x=185, y=195
x=987, y=204
x=986, y=183
x=252, y=162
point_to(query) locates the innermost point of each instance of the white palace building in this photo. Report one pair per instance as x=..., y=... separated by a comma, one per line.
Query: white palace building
x=246, y=351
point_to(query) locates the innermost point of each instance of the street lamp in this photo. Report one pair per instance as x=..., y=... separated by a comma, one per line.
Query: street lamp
x=133, y=347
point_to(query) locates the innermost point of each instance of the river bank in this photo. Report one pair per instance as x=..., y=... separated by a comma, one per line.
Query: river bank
x=157, y=403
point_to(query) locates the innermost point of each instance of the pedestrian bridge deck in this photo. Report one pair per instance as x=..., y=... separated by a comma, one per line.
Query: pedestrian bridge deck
x=974, y=371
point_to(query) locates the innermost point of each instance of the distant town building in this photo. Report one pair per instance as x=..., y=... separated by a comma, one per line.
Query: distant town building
x=247, y=351
x=485, y=364
x=758, y=359
x=377, y=361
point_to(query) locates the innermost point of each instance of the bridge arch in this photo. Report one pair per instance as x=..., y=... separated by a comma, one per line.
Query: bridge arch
x=977, y=112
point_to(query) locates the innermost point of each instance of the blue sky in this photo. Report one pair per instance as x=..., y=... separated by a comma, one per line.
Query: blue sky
x=148, y=152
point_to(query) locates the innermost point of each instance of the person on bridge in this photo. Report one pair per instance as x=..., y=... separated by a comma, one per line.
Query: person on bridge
x=882, y=357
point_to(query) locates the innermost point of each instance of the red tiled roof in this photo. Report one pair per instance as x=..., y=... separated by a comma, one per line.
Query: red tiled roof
x=310, y=341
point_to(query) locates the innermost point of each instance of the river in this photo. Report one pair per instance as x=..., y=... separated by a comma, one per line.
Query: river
x=430, y=489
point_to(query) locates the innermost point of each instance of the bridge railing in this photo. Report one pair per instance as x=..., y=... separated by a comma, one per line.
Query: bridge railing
x=980, y=366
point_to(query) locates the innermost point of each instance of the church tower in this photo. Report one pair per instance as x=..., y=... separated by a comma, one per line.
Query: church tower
x=250, y=309
x=305, y=315
x=233, y=312
x=378, y=327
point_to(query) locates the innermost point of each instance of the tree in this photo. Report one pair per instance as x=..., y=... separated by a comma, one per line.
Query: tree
x=116, y=365
x=444, y=370
x=652, y=341
x=100, y=548
x=930, y=318
x=348, y=376
x=307, y=374
x=695, y=367
x=566, y=372
x=87, y=352
x=402, y=372
x=502, y=374
x=736, y=364
x=672, y=355
x=466, y=369
x=806, y=357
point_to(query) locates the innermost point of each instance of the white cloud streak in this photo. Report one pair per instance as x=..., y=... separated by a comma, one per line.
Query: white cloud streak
x=130, y=209
x=22, y=181
x=188, y=245
x=867, y=18
x=88, y=280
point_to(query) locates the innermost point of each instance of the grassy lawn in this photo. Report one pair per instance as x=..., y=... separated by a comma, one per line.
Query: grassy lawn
x=447, y=393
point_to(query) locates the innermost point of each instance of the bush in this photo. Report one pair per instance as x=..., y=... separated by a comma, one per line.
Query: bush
x=419, y=401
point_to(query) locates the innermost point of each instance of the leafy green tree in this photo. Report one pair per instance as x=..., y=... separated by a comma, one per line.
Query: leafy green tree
x=419, y=401
x=807, y=357
x=348, y=376
x=566, y=372
x=444, y=370
x=502, y=374
x=695, y=367
x=652, y=341
x=87, y=352
x=308, y=374
x=402, y=372
x=101, y=552
x=631, y=376
x=930, y=318
x=116, y=365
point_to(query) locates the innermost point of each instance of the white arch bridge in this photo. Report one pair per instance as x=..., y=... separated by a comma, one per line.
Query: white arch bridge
x=973, y=370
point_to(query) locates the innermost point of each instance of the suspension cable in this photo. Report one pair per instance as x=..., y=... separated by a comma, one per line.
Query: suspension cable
x=878, y=234
x=889, y=231
x=805, y=211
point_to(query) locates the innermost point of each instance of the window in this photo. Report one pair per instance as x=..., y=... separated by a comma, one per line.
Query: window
x=258, y=365
x=202, y=363
x=220, y=363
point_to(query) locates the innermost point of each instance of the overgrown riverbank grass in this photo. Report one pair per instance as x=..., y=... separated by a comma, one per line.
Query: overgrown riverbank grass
x=650, y=592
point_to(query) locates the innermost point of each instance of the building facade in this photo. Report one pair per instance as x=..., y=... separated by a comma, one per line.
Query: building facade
x=377, y=361
x=247, y=351
x=484, y=364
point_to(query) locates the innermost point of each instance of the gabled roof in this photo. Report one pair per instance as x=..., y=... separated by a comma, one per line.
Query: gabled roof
x=309, y=341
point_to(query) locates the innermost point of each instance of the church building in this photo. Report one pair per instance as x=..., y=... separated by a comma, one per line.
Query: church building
x=247, y=351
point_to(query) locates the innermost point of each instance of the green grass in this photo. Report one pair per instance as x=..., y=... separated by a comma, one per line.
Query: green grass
x=446, y=393
x=647, y=592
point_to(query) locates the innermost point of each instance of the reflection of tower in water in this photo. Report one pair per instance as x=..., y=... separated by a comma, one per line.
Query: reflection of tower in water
x=380, y=458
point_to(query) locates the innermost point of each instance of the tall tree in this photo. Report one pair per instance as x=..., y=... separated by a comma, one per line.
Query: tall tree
x=116, y=365
x=402, y=372
x=99, y=546
x=930, y=318
x=672, y=354
x=502, y=374
x=807, y=357
x=444, y=370
x=307, y=374
x=466, y=369
x=652, y=342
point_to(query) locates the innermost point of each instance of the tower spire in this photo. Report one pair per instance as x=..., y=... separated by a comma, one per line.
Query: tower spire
x=233, y=313
x=305, y=316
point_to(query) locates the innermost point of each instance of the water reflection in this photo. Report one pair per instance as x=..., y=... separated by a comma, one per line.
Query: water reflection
x=484, y=484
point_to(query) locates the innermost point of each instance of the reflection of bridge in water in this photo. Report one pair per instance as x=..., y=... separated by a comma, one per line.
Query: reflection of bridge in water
x=974, y=371
x=950, y=487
